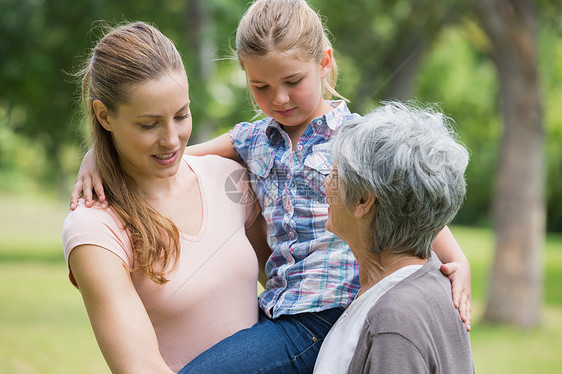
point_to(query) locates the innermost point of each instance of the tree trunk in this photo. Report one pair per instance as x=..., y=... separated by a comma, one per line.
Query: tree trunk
x=515, y=292
x=405, y=65
x=199, y=35
x=401, y=68
x=199, y=32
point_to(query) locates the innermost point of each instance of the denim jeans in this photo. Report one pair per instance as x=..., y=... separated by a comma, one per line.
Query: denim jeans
x=287, y=344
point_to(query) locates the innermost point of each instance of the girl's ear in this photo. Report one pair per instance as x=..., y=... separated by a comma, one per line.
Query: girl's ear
x=102, y=114
x=365, y=205
x=326, y=62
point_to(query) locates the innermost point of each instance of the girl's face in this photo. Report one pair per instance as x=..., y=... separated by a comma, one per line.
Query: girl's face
x=151, y=131
x=287, y=88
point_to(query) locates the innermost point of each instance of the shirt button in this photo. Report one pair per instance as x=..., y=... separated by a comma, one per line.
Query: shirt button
x=291, y=235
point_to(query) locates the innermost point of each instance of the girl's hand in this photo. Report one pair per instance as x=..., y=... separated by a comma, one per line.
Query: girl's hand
x=88, y=178
x=459, y=275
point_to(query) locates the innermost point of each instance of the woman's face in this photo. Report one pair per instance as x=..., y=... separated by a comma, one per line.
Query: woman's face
x=340, y=218
x=151, y=131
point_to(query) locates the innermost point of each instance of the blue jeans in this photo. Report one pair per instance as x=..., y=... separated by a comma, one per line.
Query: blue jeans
x=287, y=344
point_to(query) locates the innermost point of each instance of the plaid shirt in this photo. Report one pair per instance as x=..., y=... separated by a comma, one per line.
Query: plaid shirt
x=310, y=269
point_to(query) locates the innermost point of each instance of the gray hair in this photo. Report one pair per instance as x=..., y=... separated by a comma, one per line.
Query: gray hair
x=408, y=156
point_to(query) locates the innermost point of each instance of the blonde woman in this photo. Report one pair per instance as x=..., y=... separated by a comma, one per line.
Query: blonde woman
x=166, y=270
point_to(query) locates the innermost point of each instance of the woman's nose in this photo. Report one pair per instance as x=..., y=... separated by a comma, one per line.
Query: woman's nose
x=169, y=137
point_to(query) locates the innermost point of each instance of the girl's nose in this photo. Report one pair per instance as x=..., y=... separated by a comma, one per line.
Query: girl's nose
x=280, y=97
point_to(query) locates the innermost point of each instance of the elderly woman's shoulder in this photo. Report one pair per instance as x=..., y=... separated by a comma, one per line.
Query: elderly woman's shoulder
x=414, y=304
x=392, y=311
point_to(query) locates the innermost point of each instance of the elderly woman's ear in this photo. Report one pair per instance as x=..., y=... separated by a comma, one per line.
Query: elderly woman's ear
x=365, y=206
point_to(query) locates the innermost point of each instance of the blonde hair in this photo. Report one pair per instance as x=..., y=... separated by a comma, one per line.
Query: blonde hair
x=125, y=56
x=285, y=26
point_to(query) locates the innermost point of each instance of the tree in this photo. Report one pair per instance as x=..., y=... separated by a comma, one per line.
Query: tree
x=377, y=36
x=519, y=208
x=42, y=42
x=386, y=42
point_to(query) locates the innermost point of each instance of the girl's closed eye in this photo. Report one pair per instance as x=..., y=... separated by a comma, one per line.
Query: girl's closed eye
x=294, y=82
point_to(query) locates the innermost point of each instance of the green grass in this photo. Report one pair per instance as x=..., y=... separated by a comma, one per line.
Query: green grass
x=44, y=327
x=478, y=245
x=503, y=349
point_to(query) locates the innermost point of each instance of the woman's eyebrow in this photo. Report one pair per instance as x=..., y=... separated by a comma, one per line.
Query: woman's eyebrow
x=149, y=116
x=158, y=115
x=186, y=105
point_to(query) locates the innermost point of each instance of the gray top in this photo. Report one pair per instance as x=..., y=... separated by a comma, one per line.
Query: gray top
x=414, y=328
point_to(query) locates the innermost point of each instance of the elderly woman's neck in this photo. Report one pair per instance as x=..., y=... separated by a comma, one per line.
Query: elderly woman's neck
x=373, y=267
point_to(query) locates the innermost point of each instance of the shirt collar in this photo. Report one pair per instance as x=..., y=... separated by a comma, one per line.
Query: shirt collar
x=334, y=117
x=331, y=119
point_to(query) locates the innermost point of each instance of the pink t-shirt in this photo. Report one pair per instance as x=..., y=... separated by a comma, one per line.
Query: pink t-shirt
x=213, y=291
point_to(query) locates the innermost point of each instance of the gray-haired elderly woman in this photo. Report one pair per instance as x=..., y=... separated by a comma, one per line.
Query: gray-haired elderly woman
x=398, y=179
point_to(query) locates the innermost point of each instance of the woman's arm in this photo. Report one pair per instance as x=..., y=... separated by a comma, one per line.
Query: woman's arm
x=456, y=267
x=257, y=235
x=221, y=146
x=121, y=325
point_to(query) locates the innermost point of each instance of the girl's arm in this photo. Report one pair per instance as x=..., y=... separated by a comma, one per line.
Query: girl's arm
x=221, y=146
x=88, y=177
x=121, y=325
x=257, y=235
x=456, y=267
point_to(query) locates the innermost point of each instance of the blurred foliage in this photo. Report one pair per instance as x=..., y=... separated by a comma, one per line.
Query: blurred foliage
x=432, y=51
x=467, y=93
x=550, y=44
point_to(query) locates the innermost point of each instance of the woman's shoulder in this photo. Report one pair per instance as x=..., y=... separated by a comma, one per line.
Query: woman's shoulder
x=97, y=210
x=95, y=218
x=94, y=224
x=98, y=226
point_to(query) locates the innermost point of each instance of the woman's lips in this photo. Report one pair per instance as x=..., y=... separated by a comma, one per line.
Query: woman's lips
x=166, y=158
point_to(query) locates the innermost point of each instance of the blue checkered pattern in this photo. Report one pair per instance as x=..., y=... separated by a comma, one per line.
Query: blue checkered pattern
x=310, y=269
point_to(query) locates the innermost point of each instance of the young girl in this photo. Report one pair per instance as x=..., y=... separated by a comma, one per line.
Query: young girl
x=311, y=274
